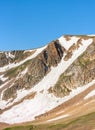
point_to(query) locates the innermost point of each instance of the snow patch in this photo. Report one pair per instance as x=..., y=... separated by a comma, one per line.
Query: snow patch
x=67, y=44
x=59, y=117
x=3, y=78
x=29, y=50
x=22, y=73
x=28, y=109
x=9, y=55
x=91, y=94
x=93, y=35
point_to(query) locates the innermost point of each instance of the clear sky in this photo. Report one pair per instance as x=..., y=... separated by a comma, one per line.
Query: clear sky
x=26, y=24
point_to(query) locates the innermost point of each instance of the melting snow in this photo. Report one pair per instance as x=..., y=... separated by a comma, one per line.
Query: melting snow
x=1, y=86
x=67, y=44
x=28, y=51
x=42, y=102
x=91, y=94
x=3, y=78
x=23, y=73
x=59, y=117
x=9, y=55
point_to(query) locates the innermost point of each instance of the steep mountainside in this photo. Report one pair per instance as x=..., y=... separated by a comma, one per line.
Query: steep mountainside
x=36, y=84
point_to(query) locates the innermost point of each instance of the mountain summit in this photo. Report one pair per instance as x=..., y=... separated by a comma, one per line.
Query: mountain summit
x=50, y=83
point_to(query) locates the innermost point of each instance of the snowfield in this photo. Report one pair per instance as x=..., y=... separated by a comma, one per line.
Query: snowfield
x=42, y=102
x=68, y=44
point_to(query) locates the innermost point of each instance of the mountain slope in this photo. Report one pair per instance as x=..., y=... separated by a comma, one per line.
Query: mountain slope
x=83, y=122
x=36, y=84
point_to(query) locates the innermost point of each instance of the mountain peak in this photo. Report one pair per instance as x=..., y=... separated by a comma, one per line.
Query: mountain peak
x=35, y=83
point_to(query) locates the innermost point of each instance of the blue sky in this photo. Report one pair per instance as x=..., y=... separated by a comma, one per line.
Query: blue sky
x=26, y=24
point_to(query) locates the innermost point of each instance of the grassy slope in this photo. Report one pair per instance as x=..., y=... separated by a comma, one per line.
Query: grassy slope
x=86, y=122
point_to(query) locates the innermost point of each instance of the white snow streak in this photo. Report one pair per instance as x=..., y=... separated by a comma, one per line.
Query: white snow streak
x=21, y=74
x=28, y=51
x=67, y=44
x=1, y=86
x=91, y=94
x=9, y=55
x=3, y=78
x=59, y=117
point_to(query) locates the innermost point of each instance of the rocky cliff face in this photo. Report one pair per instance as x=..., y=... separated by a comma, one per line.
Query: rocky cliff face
x=37, y=68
